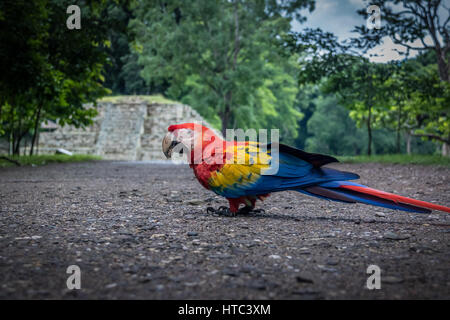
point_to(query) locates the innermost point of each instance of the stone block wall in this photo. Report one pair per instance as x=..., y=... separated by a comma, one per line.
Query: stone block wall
x=129, y=129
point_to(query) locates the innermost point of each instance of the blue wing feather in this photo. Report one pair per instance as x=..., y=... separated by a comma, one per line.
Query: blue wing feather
x=293, y=173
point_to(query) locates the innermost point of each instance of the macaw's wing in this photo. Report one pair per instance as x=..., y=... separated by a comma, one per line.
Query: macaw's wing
x=241, y=171
x=244, y=172
x=315, y=159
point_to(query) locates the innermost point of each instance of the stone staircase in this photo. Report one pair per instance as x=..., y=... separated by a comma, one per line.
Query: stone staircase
x=76, y=140
x=158, y=119
x=120, y=131
x=129, y=129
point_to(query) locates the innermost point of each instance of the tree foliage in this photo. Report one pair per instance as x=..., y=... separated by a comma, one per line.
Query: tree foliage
x=417, y=25
x=405, y=97
x=236, y=62
x=224, y=57
x=49, y=71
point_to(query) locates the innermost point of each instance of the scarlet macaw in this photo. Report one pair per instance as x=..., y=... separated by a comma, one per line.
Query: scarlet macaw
x=218, y=168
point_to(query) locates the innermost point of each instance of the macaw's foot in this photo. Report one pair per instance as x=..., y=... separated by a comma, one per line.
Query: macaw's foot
x=225, y=211
x=249, y=210
x=222, y=211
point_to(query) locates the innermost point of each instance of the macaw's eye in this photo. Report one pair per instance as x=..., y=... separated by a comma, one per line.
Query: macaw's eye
x=176, y=143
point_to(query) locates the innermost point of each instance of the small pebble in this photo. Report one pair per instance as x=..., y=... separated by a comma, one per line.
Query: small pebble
x=394, y=236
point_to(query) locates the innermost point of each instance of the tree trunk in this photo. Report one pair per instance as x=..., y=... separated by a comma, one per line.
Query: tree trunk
x=25, y=147
x=369, y=132
x=446, y=148
x=399, y=115
x=19, y=136
x=36, y=129
x=11, y=131
x=18, y=140
x=225, y=120
x=229, y=95
x=37, y=143
x=408, y=143
x=1, y=107
x=226, y=113
x=443, y=66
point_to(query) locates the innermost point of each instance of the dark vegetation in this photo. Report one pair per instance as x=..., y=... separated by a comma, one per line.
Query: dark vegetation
x=236, y=62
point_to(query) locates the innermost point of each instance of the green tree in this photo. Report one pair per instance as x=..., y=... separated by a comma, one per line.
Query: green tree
x=307, y=105
x=428, y=110
x=49, y=70
x=23, y=30
x=418, y=101
x=421, y=26
x=331, y=130
x=220, y=51
x=361, y=88
x=122, y=72
x=409, y=23
x=357, y=82
x=421, y=102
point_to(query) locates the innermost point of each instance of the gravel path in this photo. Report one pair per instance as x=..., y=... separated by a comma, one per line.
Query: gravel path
x=141, y=231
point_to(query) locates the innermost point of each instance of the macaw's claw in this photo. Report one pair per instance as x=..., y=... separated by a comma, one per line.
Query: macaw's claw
x=248, y=210
x=222, y=211
x=225, y=211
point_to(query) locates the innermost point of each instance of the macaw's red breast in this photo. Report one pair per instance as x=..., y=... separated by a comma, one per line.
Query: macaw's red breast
x=203, y=172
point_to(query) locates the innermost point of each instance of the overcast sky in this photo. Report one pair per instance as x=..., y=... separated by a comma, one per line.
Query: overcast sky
x=340, y=17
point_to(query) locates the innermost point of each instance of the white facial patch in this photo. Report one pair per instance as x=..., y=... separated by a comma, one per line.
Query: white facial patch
x=185, y=137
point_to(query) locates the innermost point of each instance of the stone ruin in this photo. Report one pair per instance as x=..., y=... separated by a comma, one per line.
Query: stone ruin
x=129, y=129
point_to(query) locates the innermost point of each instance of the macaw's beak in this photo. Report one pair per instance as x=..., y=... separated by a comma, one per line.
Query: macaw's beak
x=169, y=142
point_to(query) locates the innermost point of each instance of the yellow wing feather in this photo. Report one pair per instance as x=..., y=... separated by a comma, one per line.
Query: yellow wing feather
x=241, y=169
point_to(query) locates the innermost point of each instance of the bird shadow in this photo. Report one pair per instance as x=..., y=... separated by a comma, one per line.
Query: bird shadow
x=357, y=221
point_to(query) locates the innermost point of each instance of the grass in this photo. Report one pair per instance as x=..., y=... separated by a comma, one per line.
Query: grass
x=155, y=98
x=399, y=159
x=39, y=160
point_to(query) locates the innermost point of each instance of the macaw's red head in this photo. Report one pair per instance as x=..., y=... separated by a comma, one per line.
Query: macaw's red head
x=189, y=138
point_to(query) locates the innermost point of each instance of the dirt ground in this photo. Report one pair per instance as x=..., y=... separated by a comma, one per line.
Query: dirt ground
x=141, y=231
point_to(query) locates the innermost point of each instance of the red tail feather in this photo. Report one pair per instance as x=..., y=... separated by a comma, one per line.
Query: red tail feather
x=396, y=198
